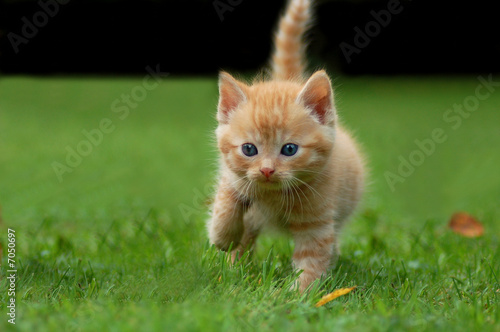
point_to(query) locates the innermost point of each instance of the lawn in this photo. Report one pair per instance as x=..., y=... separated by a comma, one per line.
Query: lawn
x=107, y=198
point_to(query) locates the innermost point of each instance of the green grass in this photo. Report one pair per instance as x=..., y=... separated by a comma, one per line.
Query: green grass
x=120, y=245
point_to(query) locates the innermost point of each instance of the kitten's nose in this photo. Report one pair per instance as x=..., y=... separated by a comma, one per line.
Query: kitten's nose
x=267, y=171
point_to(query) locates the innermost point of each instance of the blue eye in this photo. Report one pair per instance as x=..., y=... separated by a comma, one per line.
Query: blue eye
x=289, y=149
x=249, y=149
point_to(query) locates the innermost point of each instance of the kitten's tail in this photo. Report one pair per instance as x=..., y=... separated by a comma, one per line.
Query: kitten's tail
x=288, y=58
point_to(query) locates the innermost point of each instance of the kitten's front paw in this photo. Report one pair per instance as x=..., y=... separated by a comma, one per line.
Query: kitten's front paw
x=300, y=285
x=224, y=245
x=306, y=279
x=225, y=237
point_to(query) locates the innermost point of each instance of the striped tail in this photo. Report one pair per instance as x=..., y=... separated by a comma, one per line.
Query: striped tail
x=288, y=60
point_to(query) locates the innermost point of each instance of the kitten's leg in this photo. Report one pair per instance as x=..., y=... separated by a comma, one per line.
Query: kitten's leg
x=252, y=222
x=226, y=223
x=314, y=250
x=247, y=243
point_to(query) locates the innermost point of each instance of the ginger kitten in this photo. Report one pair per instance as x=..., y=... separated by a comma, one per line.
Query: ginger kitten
x=284, y=159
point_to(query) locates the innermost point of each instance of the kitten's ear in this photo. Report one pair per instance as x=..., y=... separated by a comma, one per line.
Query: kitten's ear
x=317, y=96
x=231, y=95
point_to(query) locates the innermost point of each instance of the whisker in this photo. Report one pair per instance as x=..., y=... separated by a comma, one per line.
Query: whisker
x=294, y=187
x=319, y=175
x=303, y=194
x=315, y=192
x=292, y=203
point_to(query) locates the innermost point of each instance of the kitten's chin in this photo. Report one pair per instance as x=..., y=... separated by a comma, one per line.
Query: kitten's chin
x=269, y=184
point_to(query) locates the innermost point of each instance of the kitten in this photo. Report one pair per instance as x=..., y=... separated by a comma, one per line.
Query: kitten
x=284, y=159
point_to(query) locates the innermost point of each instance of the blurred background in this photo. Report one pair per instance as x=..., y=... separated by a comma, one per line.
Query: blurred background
x=148, y=69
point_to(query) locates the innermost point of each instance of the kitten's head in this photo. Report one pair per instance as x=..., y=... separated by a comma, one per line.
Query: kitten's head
x=277, y=133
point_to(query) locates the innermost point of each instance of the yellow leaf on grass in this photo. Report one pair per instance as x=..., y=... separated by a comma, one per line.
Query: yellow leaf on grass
x=332, y=296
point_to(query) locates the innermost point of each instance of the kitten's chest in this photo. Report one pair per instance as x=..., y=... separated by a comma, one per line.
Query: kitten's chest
x=295, y=206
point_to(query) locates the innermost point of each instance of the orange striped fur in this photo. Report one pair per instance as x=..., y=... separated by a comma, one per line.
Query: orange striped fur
x=310, y=193
x=288, y=58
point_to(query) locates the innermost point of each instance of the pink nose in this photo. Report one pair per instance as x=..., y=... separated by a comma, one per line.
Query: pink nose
x=267, y=171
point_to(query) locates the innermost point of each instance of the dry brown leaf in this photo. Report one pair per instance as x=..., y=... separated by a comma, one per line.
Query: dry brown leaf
x=332, y=296
x=466, y=225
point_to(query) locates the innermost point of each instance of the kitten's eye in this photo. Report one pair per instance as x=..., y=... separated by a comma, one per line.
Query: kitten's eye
x=289, y=149
x=249, y=149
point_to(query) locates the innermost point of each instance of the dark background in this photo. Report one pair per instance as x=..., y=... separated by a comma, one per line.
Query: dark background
x=189, y=37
